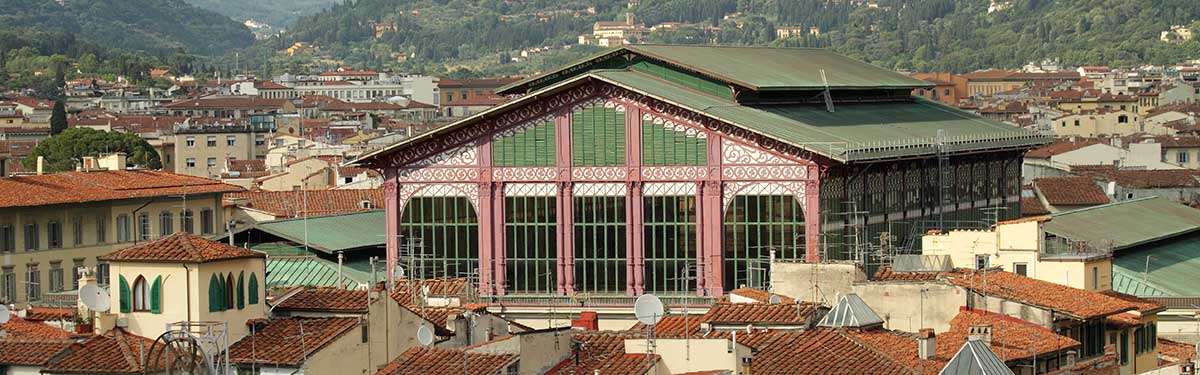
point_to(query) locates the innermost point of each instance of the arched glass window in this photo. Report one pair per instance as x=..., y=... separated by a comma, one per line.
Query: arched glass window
x=442, y=233
x=141, y=294
x=756, y=225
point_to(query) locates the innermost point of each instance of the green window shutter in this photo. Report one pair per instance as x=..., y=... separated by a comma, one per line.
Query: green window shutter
x=221, y=305
x=532, y=147
x=126, y=303
x=241, y=291
x=598, y=135
x=214, y=294
x=662, y=146
x=253, y=290
x=156, y=296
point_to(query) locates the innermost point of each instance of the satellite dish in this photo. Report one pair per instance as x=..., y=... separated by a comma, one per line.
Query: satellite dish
x=4, y=315
x=95, y=298
x=425, y=335
x=648, y=309
x=774, y=299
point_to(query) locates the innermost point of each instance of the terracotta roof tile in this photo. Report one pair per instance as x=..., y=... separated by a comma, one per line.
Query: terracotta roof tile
x=319, y=202
x=886, y=273
x=19, y=328
x=1143, y=179
x=1061, y=146
x=226, y=102
x=1144, y=306
x=674, y=326
x=1062, y=299
x=820, y=351
x=30, y=352
x=1070, y=191
x=326, y=299
x=50, y=313
x=441, y=361
x=900, y=347
x=80, y=187
x=255, y=165
x=760, y=313
x=603, y=352
x=115, y=352
x=278, y=342
x=1012, y=338
x=180, y=247
x=1176, y=351
x=1033, y=206
x=757, y=295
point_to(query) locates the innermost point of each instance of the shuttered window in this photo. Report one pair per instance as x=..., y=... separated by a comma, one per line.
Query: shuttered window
x=241, y=291
x=598, y=137
x=216, y=294
x=253, y=290
x=530, y=147
x=662, y=145
x=125, y=294
x=156, y=295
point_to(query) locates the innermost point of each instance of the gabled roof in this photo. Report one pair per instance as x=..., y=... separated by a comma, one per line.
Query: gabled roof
x=756, y=68
x=1148, y=179
x=975, y=358
x=760, y=313
x=851, y=312
x=20, y=328
x=1012, y=339
x=325, y=300
x=1070, y=191
x=311, y=271
x=447, y=361
x=603, y=352
x=1063, y=300
x=278, y=342
x=180, y=247
x=1061, y=147
x=115, y=352
x=1126, y=224
x=30, y=352
x=81, y=187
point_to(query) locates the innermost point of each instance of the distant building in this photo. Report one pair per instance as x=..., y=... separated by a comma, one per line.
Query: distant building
x=1177, y=34
x=615, y=33
x=203, y=150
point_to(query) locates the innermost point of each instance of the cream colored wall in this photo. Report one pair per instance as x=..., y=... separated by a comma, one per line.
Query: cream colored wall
x=1092, y=125
x=541, y=351
x=243, y=149
x=23, y=370
x=961, y=246
x=298, y=175
x=176, y=296
x=1097, y=154
x=90, y=247
x=903, y=306
x=234, y=317
x=1138, y=364
x=346, y=354
x=797, y=280
x=392, y=330
x=695, y=355
x=1193, y=155
x=1076, y=273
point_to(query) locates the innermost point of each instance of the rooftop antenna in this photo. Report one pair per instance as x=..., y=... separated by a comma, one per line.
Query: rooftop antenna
x=828, y=97
x=649, y=310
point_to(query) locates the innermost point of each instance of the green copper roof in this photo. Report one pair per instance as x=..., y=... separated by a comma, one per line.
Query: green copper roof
x=311, y=271
x=755, y=68
x=1172, y=268
x=333, y=233
x=1122, y=225
x=852, y=132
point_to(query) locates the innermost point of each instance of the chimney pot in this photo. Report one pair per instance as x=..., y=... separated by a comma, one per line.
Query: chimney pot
x=41, y=165
x=926, y=344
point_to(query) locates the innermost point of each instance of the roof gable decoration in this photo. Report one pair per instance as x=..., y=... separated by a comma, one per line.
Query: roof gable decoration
x=975, y=358
x=851, y=312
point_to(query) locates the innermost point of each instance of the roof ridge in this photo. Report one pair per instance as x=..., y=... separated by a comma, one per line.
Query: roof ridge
x=1110, y=204
x=842, y=332
x=126, y=351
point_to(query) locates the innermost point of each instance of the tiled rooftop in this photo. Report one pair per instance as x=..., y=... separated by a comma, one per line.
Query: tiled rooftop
x=1071, y=191
x=760, y=313
x=1143, y=179
x=1062, y=299
x=278, y=341
x=115, y=352
x=81, y=187
x=1012, y=338
x=180, y=247
x=19, y=328
x=603, y=352
x=444, y=361
x=30, y=352
x=50, y=313
x=326, y=299
x=297, y=203
x=757, y=295
x=1175, y=351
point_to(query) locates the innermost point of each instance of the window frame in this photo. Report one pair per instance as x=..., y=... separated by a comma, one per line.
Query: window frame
x=32, y=237
x=144, y=227
x=140, y=298
x=54, y=234
x=166, y=223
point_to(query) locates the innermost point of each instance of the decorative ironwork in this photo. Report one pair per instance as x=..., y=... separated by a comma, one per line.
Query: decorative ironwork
x=765, y=173
x=438, y=174
x=599, y=173
x=733, y=153
x=674, y=173
x=732, y=189
x=525, y=174
x=467, y=190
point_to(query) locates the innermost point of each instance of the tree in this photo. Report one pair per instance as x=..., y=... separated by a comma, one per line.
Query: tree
x=64, y=151
x=58, y=118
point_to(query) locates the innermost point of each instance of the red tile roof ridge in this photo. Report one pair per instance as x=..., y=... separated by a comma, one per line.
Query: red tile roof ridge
x=277, y=333
x=180, y=247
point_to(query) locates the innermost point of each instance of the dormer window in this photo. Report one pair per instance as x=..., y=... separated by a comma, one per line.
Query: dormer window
x=366, y=205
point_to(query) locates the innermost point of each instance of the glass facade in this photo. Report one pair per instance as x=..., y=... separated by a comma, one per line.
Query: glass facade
x=669, y=243
x=600, y=244
x=531, y=244
x=440, y=236
x=756, y=225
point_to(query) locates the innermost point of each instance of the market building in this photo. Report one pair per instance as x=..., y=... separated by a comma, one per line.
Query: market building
x=686, y=169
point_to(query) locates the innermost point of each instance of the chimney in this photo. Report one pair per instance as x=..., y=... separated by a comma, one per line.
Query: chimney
x=89, y=163
x=983, y=332
x=113, y=162
x=629, y=18
x=926, y=344
x=41, y=165
x=588, y=321
x=1071, y=354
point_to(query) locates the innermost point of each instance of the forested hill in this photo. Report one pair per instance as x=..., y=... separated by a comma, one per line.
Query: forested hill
x=278, y=13
x=953, y=35
x=156, y=26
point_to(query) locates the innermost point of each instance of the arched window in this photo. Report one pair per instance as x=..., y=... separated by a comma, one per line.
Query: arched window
x=241, y=290
x=141, y=295
x=229, y=292
x=447, y=229
x=755, y=225
x=216, y=297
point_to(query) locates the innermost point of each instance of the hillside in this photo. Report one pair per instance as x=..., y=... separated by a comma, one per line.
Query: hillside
x=277, y=13
x=923, y=35
x=156, y=26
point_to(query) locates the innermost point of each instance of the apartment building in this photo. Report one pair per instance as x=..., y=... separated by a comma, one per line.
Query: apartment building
x=202, y=150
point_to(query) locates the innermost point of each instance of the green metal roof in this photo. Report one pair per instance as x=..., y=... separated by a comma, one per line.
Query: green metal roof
x=852, y=132
x=333, y=233
x=1172, y=268
x=311, y=271
x=756, y=68
x=1126, y=224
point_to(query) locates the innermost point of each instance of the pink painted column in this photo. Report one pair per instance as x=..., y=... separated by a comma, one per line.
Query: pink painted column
x=565, y=204
x=635, y=266
x=712, y=216
x=812, y=216
x=487, y=213
x=701, y=241
x=499, y=238
x=392, y=210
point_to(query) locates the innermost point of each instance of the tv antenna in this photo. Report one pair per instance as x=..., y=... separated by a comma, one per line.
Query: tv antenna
x=828, y=98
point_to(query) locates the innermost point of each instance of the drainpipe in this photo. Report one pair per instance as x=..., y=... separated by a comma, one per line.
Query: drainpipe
x=187, y=276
